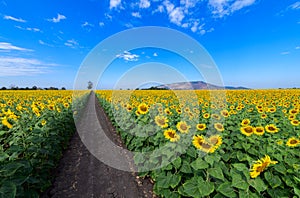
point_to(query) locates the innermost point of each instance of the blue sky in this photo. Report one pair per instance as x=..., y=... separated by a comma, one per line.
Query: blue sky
x=254, y=43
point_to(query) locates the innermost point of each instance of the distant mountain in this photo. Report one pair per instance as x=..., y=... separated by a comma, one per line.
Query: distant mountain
x=196, y=85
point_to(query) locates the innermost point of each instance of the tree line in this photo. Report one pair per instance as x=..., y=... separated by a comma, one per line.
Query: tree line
x=13, y=87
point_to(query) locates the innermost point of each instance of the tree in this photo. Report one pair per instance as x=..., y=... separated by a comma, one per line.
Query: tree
x=63, y=88
x=90, y=85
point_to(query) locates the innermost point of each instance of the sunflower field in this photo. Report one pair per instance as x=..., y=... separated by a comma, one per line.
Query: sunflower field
x=35, y=126
x=241, y=143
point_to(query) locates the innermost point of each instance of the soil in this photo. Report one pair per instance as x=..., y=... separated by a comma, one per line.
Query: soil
x=80, y=174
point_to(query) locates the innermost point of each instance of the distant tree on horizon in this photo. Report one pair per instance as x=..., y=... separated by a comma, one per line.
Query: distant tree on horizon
x=90, y=85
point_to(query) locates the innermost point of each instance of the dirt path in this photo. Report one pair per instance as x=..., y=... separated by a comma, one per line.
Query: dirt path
x=80, y=174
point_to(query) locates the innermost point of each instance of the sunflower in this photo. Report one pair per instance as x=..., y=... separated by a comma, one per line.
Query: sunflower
x=6, y=123
x=272, y=109
x=129, y=107
x=216, y=116
x=293, y=142
x=167, y=111
x=247, y=130
x=178, y=111
x=66, y=105
x=43, y=122
x=259, y=130
x=219, y=127
x=206, y=115
x=201, y=127
x=263, y=116
x=183, y=127
x=271, y=128
x=260, y=165
x=295, y=122
x=198, y=140
x=279, y=142
x=215, y=140
x=224, y=113
x=161, y=121
x=200, y=143
x=245, y=122
x=294, y=111
x=143, y=108
x=171, y=135
x=292, y=117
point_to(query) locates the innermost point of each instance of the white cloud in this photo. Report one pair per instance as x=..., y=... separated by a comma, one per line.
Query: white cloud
x=101, y=24
x=72, y=43
x=9, y=46
x=221, y=8
x=176, y=16
x=155, y=54
x=14, y=19
x=239, y=4
x=136, y=14
x=298, y=47
x=28, y=28
x=58, y=18
x=114, y=4
x=169, y=6
x=128, y=56
x=295, y=6
x=144, y=4
x=16, y=66
x=87, y=24
x=46, y=44
x=285, y=53
x=195, y=26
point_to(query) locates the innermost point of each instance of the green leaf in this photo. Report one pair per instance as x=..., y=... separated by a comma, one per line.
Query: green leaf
x=209, y=159
x=177, y=163
x=185, y=168
x=247, y=194
x=246, y=146
x=216, y=173
x=226, y=157
x=197, y=188
x=297, y=191
x=273, y=180
x=258, y=184
x=280, y=168
x=10, y=169
x=8, y=190
x=170, y=180
x=238, y=181
x=192, y=152
x=226, y=189
x=199, y=164
x=240, y=167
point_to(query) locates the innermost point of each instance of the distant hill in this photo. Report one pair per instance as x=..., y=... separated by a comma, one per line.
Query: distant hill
x=196, y=85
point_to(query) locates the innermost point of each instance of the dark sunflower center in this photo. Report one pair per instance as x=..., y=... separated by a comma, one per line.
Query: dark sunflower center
x=171, y=134
x=248, y=130
x=272, y=128
x=143, y=108
x=161, y=121
x=293, y=142
x=183, y=127
x=206, y=146
x=259, y=130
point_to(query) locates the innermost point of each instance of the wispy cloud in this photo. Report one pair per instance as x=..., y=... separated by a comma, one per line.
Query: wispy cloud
x=85, y=24
x=222, y=8
x=297, y=48
x=155, y=54
x=128, y=56
x=58, y=18
x=101, y=24
x=144, y=4
x=44, y=43
x=72, y=43
x=136, y=14
x=9, y=46
x=295, y=6
x=285, y=53
x=114, y=4
x=16, y=66
x=176, y=15
x=14, y=19
x=28, y=28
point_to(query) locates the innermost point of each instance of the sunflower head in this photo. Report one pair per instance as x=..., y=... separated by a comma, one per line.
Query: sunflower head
x=271, y=128
x=245, y=122
x=259, y=130
x=295, y=122
x=143, y=108
x=183, y=127
x=161, y=121
x=293, y=142
x=247, y=130
x=171, y=135
x=201, y=127
x=206, y=115
x=219, y=127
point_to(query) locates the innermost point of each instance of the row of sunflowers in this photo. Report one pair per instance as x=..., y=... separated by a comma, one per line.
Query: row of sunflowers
x=242, y=143
x=35, y=126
